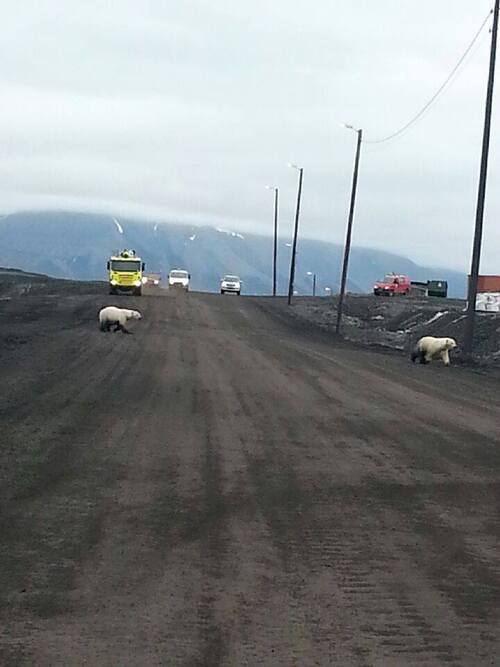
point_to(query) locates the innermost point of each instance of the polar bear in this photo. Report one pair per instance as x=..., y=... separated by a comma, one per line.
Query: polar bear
x=429, y=348
x=111, y=315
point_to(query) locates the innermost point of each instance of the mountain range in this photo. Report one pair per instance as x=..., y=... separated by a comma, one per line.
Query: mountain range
x=77, y=245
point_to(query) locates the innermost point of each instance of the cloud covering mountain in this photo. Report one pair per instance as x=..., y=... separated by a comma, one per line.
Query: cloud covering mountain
x=77, y=245
x=186, y=110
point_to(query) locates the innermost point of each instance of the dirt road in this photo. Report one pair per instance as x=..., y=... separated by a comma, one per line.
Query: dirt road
x=224, y=488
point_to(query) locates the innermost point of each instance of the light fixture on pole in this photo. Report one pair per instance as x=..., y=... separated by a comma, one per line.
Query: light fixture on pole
x=295, y=231
x=347, y=247
x=275, y=243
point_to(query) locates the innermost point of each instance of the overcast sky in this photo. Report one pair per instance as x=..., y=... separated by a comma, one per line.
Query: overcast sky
x=183, y=111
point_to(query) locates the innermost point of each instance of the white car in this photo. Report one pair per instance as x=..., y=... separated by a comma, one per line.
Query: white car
x=230, y=284
x=179, y=278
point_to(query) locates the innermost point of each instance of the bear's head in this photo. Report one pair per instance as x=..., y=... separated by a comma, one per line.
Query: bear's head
x=135, y=315
x=451, y=343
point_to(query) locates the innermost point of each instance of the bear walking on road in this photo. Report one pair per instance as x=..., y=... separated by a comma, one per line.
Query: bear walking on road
x=429, y=348
x=117, y=317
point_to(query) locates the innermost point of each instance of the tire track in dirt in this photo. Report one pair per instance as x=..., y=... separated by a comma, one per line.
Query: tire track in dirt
x=220, y=489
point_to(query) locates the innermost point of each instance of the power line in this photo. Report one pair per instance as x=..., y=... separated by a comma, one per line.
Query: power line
x=377, y=147
x=418, y=115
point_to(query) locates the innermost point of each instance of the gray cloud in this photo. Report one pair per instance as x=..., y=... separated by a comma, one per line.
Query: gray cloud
x=185, y=110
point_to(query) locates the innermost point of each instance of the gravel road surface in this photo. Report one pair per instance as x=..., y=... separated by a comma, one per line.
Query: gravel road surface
x=227, y=487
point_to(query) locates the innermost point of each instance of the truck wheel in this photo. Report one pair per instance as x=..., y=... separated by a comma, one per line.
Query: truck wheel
x=112, y=291
x=238, y=293
x=222, y=291
x=138, y=292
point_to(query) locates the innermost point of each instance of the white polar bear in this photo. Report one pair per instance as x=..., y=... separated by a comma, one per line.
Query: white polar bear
x=111, y=315
x=429, y=348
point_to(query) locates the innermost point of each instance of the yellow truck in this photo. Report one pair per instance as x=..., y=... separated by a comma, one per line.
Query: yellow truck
x=126, y=273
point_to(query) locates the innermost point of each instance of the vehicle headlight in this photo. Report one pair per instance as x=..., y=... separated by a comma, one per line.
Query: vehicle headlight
x=137, y=283
x=114, y=282
x=144, y=280
x=156, y=282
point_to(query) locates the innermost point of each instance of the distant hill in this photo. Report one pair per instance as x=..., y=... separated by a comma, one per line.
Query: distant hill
x=14, y=282
x=77, y=246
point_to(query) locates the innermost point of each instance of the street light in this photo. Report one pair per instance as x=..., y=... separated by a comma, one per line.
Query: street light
x=295, y=231
x=275, y=244
x=347, y=246
x=310, y=273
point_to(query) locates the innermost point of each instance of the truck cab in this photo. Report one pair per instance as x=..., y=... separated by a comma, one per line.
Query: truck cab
x=230, y=284
x=125, y=273
x=179, y=279
x=392, y=284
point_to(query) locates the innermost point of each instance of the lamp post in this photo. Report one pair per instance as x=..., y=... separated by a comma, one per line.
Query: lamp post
x=347, y=247
x=275, y=243
x=295, y=232
x=310, y=273
x=481, y=195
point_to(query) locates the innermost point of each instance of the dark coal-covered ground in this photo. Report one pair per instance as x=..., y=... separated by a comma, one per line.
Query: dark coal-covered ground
x=399, y=322
x=230, y=485
x=14, y=283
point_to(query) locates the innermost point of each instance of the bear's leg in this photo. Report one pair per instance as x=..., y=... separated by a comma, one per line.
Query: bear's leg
x=445, y=357
x=123, y=329
x=418, y=354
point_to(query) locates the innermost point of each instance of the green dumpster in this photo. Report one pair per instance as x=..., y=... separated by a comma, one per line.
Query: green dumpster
x=437, y=288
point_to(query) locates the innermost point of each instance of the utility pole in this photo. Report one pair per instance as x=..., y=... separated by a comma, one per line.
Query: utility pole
x=295, y=233
x=478, y=232
x=275, y=242
x=275, y=248
x=313, y=276
x=347, y=247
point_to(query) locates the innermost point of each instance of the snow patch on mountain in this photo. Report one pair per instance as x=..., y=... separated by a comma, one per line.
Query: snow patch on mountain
x=229, y=232
x=118, y=226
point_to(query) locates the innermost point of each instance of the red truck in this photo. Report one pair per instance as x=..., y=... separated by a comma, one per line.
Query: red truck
x=392, y=284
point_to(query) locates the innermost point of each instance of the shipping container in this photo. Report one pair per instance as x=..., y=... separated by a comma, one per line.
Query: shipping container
x=488, y=284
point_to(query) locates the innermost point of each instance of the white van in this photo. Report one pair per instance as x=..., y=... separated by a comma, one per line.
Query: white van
x=178, y=278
